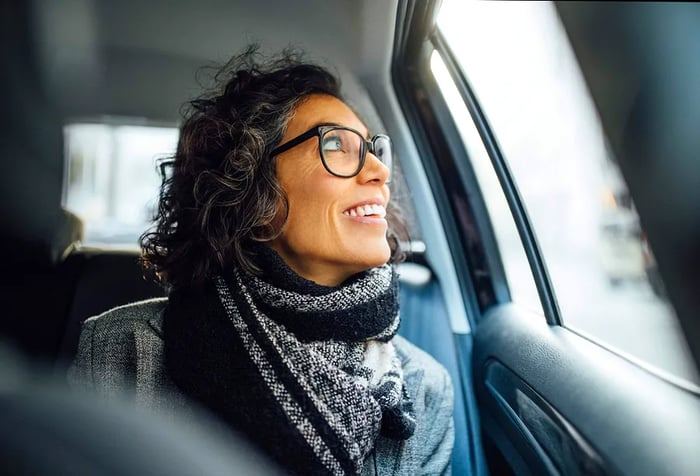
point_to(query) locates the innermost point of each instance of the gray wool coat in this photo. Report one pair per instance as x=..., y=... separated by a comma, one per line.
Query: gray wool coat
x=121, y=352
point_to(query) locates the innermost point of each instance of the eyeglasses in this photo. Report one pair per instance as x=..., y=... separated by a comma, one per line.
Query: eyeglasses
x=343, y=150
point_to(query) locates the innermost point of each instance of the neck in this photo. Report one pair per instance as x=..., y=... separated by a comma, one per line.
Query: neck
x=324, y=274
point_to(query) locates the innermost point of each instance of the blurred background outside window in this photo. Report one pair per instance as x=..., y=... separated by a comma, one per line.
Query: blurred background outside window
x=112, y=178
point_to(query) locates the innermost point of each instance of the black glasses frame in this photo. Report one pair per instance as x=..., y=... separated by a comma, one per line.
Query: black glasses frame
x=320, y=130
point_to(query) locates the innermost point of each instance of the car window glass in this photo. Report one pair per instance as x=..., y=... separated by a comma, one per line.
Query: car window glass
x=520, y=65
x=111, y=178
x=521, y=283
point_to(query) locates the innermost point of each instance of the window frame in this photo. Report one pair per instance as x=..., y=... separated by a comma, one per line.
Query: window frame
x=469, y=230
x=416, y=94
x=505, y=177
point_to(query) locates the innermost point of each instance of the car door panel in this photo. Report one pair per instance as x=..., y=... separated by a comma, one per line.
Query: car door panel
x=557, y=446
x=566, y=405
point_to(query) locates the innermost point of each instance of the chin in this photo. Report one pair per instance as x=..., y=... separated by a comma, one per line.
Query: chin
x=377, y=258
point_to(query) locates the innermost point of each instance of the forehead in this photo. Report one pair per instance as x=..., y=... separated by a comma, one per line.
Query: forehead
x=318, y=109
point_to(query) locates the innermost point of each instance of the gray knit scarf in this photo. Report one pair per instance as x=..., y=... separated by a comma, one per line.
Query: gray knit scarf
x=307, y=371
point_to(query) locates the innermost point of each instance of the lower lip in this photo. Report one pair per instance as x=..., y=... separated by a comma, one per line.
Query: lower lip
x=368, y=220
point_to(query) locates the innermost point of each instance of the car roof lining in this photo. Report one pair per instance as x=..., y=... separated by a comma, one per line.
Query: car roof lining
x=139, y=59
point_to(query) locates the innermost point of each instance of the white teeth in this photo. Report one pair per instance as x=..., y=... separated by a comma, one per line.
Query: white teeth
x=367, y=210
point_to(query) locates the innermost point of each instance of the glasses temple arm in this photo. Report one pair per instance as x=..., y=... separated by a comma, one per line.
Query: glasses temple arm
x=295, y=142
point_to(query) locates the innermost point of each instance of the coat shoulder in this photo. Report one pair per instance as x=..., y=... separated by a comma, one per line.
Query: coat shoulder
x=130, y=316
x=416, y=360
x=121, y=352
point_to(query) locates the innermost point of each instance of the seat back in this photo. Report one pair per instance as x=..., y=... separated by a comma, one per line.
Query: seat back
x=107, y=279
x=424, y=322
x=36, y=285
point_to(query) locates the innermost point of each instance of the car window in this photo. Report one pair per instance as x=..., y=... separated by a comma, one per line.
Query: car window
x=517, y=59
x=521, y=283
x=111, y=178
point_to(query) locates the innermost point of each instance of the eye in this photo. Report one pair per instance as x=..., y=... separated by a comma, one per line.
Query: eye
x=332, y=143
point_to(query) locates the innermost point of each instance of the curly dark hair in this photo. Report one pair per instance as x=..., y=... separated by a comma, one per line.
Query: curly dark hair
x=220, y=194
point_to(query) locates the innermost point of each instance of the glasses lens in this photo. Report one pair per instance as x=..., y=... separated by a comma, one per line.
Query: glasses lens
x=342, y=151
x=384, y=152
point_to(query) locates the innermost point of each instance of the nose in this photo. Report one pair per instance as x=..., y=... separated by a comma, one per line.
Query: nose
x=374, y=170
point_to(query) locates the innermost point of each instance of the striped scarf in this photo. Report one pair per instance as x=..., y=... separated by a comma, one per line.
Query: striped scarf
x=308, y=372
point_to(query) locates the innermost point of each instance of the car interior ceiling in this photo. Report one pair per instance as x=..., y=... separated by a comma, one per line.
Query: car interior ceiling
x=100, y=58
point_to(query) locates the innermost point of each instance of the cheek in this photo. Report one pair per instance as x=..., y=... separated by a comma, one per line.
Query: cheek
x=313, y=209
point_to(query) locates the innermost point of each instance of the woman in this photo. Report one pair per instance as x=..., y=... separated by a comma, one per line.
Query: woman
x=273, y=238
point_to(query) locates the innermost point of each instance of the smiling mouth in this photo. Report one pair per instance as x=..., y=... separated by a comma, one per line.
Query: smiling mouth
x=376, y=211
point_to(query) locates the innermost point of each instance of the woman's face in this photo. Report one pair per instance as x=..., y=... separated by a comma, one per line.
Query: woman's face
x=325, y=239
